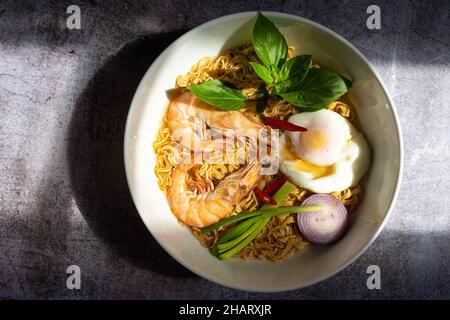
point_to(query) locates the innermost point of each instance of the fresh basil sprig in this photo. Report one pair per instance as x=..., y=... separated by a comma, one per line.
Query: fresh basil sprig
x=319, y=88
x=269, y=43
x=217, y=94
x=295, y=69
x=290, y=79
x=262, y=72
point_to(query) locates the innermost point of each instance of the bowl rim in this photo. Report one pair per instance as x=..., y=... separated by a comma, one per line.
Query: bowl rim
x=140, y=90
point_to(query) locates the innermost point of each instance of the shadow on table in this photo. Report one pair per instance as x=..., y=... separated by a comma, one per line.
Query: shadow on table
x=95, y=156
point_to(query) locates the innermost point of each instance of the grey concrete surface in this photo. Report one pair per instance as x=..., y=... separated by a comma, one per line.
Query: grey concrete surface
x=64, y=96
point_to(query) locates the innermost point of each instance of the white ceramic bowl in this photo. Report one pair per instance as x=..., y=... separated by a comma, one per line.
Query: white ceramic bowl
x=378, y=121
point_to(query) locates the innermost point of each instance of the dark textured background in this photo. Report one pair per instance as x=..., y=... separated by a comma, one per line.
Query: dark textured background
x=64, y=97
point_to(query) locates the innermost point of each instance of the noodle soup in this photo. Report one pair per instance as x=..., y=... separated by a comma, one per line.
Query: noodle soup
x=374, y=118
x=280, y=237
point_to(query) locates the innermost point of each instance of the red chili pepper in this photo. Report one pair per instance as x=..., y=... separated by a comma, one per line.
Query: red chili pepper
x=273, y=186
x=284, y=125
x=264, y=197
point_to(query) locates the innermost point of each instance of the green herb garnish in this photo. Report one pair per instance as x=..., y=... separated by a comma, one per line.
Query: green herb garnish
x=295, y=70
x=216, y=93
x=290, y=79
x=252, y=224
x=269, y=43
x=263, y=212
x=318, y=89
x=262, y=72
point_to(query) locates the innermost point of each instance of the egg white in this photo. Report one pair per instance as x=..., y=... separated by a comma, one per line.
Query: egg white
x=330, y=126
x=352, y=162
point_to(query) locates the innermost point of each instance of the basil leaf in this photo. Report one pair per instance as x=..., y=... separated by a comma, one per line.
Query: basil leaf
x=281, y=87
x=295, y=69
x=269, y=43
x=262, y=72
x=217, y=94
x=319, y=88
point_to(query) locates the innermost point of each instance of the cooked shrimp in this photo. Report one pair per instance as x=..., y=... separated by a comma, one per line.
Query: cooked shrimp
x=204, y=209
x=188, y=118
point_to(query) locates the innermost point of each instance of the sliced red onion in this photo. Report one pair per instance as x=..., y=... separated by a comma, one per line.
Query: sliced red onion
x=326, y=225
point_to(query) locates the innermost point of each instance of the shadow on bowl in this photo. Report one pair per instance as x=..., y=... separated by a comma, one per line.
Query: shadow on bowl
x=95, y=156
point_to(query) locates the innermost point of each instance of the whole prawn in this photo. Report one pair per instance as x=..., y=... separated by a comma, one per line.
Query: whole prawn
x=188, y=118
x=208, y=208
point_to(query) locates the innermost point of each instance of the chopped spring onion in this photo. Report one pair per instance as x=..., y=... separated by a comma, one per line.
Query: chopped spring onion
x=254, y=222
x=263, y=213
x=256, y=229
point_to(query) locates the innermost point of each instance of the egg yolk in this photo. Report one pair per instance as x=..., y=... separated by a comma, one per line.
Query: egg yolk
x=315, y=171
x=288, y=153
x=313, y=140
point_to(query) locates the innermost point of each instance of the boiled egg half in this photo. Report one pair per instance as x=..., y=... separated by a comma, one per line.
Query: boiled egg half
x=331, y=156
